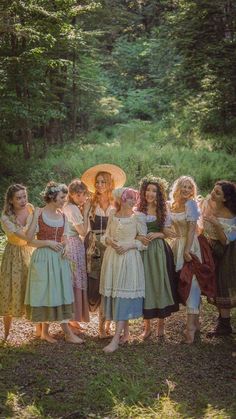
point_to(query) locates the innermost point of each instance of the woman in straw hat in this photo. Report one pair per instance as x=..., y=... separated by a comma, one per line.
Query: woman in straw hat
x=100, y=180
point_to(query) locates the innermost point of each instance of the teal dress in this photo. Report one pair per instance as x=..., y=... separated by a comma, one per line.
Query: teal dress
x=161, y=297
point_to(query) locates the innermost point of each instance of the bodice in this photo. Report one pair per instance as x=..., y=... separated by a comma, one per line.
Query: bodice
x=179, y=223
x=49, y=232
x=124, y=230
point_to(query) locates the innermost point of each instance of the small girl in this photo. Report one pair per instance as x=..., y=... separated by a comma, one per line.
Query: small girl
x=78, y=226
x=192, y=255
x=17, y=253
x=122, y=276
x=49, y=294
x=160, y=279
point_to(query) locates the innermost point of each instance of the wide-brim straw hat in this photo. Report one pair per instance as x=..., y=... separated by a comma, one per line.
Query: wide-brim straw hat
x=117, y=174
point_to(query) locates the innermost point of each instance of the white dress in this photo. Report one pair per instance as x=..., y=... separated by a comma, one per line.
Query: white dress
x=179, y=221
x=122, y=281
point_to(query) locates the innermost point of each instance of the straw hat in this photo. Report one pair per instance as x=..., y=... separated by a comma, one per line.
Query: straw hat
x=117, y=174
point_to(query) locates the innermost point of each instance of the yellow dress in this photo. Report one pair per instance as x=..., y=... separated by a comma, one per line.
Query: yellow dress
x=14, y=268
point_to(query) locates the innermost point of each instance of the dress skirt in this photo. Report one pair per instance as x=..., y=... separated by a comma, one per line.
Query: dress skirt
x=49, y=293
x=13, y=278
x=225, y=259
x=121, y=309
x=76, y=253
x=161, y=297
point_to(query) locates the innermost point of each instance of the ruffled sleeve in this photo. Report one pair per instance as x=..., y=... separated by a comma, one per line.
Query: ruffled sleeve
x=8, y=226
x=73, y=214
x=192, y=210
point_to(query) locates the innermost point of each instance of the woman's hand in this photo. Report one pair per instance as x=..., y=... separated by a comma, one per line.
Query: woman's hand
x=143, y=239
x=121, y=250
x=187, y=256
x=86, y=207
x=57, y=247
x=36, y=213
x=170, y=233
x=153, y=236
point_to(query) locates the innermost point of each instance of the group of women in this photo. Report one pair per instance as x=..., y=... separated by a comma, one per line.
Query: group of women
x=99, y=246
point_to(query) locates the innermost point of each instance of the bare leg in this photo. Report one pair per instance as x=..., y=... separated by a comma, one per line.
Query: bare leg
x=101, y=326
x=161, y=327
x=125, y=337
x=38, y=330
x=75, y=325
x=147, y=329
x=69, y=335
x=45, y=333
x=107, y=327
x=7, y=320
x=114, y=344
x=190, y=328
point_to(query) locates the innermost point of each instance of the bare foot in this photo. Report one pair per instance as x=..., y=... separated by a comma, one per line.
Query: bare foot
x=189, y=335
x=48, y=338
x=112, y=347
x=123, y=340
x=160, y=331
x=76, y=325
x=73, y=339
x=198, y=325
x=38, y=330
x=146, y=334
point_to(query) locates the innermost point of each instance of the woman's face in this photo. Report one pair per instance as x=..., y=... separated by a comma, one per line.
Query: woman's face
x=217, y=194
x=186, y=190
x=79, y=198
x=19, y=200
x=151, y=194
x=101, y=185
x=60, y=199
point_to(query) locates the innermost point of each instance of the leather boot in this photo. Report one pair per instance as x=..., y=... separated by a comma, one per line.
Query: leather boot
x=223, y=327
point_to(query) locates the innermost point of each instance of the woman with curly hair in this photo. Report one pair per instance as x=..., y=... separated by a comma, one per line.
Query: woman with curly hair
x=160, y=284
x=219, y=222
x=16, y=257
x=192, y=255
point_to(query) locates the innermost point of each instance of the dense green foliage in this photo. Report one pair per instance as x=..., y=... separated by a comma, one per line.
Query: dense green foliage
x=67, y=67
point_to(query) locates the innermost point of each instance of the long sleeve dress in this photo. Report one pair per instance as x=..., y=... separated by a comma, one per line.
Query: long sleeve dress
x=76, y=253
x=161, y=297
x=122, y=282
x=14, y=267
x=49, y=293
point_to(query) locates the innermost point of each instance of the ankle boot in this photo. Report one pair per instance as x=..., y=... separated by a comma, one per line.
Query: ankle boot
x=223, y=327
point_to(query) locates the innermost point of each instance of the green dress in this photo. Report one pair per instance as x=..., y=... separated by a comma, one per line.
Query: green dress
x=160, y=278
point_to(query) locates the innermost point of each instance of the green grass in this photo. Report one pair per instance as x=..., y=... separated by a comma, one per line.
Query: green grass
x=138, y=147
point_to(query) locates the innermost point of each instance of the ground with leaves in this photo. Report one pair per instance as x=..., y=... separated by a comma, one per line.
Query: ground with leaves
x=158, y=378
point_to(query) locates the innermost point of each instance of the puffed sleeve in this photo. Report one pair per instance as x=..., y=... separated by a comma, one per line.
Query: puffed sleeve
x=8, y=226
x=168, y=220
x=231, y=235
x=192, y=210
x=73, y=214
x=107, y=233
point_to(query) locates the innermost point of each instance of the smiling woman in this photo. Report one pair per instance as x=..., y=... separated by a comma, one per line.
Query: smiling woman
x=19, y=230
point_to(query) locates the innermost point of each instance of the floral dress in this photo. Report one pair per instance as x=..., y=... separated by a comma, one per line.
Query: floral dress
x=76, y=253
x=122, y=282
x=14, y=268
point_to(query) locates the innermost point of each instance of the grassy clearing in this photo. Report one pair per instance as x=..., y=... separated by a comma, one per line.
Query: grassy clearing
x=138, y=147
x=158, y=378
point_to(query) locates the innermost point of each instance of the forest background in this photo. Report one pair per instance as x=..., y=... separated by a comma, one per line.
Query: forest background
x=149, y=85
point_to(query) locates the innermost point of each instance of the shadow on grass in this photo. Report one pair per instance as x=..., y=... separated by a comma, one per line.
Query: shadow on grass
x=158, y=378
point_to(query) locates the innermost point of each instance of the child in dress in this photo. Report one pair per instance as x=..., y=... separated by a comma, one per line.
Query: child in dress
x=17, y=253
x=160, y=278
x=219, y=223
x=78, y=226
x=189, y=255
x=49, y=293
x=122, y=276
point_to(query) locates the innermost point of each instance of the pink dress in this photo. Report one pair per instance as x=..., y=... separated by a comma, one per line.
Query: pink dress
x=76, y=253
